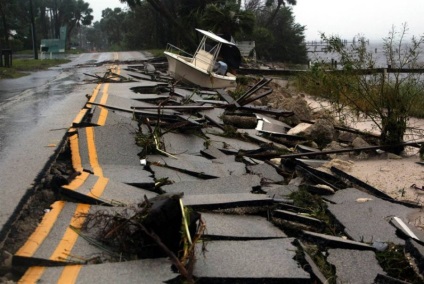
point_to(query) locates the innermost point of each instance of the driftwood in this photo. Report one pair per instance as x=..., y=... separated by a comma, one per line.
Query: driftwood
x=311, y=154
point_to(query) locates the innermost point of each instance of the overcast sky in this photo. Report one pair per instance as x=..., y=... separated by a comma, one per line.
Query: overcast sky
x=371, y=18
x=345, y=18
x=99, y=5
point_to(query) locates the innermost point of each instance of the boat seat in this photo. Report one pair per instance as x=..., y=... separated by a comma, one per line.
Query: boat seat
x=203, y=60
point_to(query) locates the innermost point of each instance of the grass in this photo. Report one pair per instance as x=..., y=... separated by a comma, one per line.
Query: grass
x=21, y=67
x=396, y=264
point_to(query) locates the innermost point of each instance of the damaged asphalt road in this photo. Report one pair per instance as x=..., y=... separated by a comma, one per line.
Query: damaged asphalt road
x=35, y=114
x=138, y=137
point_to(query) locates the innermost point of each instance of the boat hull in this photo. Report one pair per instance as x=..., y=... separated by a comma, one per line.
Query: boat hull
x=181, y=68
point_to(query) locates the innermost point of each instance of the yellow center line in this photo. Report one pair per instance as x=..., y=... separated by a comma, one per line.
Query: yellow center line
x=32, y=275
x=42, y=231
x=92, y=152
x=76, y=158
x=78, y=119
x=77, y=181
x=99, y=187
x=103, y=111
x=62, y=251
x=70, y=237
x=69, y=274
x=94, y=94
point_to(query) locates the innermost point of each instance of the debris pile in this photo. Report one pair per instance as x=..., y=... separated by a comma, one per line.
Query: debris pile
x=266, y=196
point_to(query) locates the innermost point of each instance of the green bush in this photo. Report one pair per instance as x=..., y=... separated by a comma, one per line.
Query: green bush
x=387, y=98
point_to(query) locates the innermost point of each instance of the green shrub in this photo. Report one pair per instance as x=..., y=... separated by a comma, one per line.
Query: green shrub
x=387, y=98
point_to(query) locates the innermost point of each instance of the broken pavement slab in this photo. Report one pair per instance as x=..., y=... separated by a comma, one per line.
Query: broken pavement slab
x=279, y=191
x=249, y=262
x=116, y=103
x=230, y=184
x=213, y=153
x=111, y=117
x=256, y=136
x=93, y=189
x=222, y=142
x=227, y=200
x=96, y=149
x=366, y=217
x=335, y=242
x=239, y=227
x=267, y=172
x=199, y=166
x=179, y=143
x=55, y=243
x=144, y=271
x=171, y=175
x=354, y=265
x=287, y=216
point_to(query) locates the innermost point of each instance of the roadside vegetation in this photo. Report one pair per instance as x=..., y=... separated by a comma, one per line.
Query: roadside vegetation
x=389, y=98
x=21, y=67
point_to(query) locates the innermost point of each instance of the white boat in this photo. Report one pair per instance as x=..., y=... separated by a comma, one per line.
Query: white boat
x=199, y=69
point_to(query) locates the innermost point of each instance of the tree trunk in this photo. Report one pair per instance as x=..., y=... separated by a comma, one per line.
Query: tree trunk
x=44, y=25
x=160, y=7
x=5, y=26
x=274, y=14
x=393, y=131
x=34, y=34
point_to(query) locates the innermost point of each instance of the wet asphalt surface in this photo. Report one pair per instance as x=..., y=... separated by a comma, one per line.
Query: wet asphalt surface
x=35, y=113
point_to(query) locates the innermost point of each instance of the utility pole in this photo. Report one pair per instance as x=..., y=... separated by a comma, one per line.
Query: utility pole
x=34, y=35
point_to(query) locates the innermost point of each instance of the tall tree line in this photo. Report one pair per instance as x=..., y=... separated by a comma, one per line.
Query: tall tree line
x=49, y=16
x=149, y=24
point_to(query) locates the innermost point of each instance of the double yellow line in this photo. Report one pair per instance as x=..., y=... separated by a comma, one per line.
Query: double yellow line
x=63, y=249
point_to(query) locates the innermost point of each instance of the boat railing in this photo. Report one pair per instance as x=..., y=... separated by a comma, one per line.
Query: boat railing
x=177, y=50
x=203, y=59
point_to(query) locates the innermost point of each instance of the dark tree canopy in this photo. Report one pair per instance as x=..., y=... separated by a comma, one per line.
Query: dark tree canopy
x=49, y=15
x=270, y=23
x=150, y=24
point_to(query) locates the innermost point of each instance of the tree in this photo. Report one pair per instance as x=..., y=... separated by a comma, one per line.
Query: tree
x=147, y=30
x=228, y=19
x=182, y=16
x=9, y=22
x=96, y=37
x=283, y=40
x=112, y=25
x=55, y=14
x=387, y=98
x=80, y=15
x=176, y=20
x=274, y=13
x=3, y=8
